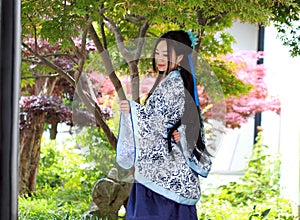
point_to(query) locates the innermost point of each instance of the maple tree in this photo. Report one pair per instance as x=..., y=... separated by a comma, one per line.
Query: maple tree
x=59, y=36
x=239, y=108
x=111, y=23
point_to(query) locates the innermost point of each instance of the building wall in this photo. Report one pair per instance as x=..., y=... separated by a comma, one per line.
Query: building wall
x=281, y=133
x=237, y=144
x=285, y=80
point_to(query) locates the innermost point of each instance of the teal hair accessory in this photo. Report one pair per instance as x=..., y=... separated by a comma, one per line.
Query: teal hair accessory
x=193, y=38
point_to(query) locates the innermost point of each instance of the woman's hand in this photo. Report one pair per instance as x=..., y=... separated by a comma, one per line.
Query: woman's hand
x=124, y=106
x=176, y=136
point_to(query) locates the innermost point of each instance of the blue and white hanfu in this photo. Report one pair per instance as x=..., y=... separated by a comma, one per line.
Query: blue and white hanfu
x=142, y=144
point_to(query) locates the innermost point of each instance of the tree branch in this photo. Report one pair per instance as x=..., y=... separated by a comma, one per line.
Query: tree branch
x=133, y=68
x=40, y=76
x=56, y=68
x=111, y=25
x=201, y=19
x=107, y=63
x=109, y=134
x=209, y=21
x=215, y=19
x=61, y=55
x=31, y=60
x=102, y=28
x=50, y=55
x=76, y=50
x=81, y=54
x=103, y=34
x=87, y=99
x=136, y=19
x=93, y=107
x=34, y=31
x=142, y=34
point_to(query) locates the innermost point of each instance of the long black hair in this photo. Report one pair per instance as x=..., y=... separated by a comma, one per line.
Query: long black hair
x=180, y=42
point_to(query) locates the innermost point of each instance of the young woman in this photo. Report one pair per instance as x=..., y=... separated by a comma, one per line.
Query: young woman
x=166, y=172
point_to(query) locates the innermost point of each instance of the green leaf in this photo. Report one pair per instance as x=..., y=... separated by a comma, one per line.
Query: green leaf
x=265, y=213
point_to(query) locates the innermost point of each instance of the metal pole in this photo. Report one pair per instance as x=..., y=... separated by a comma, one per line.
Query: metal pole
x=10, y=36
x=260, y=47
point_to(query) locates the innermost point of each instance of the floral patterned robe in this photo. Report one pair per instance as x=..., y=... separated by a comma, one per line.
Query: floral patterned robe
x=142, y=143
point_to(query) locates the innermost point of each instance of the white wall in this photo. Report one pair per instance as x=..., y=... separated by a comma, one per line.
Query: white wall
x=237, y=144
x=246, y=36
x=285, y=80
x=281, y=133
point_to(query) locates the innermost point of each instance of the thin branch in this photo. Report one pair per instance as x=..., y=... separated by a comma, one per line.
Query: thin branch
x=199, y=39
x=37, y=76
x=135, y=19
x=93, y=107
x=111, y=25
x=209, y=21
x=102, y=28
x=206, y=21
x=110, y=135
x=61, y=55
x=52, y=65
x=83, y=53
x=80, y=53
x=215, y=19
x=35, y=34
x=76, y=50
x=50, y=55
x=31, y=61
x=142, y=34
x=133, y=68
x=103, y=34
x=201, y=18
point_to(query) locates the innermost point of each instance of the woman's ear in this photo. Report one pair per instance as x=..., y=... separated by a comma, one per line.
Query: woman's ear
x=179, y=58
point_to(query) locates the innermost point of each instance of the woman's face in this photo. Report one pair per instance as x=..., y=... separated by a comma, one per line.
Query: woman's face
x=161, y=57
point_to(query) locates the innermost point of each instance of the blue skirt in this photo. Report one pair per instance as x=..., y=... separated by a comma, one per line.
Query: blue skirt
x=144, y=204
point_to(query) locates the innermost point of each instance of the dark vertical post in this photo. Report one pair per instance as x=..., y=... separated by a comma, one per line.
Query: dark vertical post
x=260, y=47
x=10, y=30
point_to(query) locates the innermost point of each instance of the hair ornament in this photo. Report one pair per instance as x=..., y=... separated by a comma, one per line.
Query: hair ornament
x=193, y=38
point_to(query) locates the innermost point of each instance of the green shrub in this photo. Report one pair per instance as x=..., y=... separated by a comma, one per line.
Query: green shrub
x=53, y=203
x=67, y=173
x=255, y=196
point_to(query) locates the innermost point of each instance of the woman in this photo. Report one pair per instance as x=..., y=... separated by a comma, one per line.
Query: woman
x=166, y=173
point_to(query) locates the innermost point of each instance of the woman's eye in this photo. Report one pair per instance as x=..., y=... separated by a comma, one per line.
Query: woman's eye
x=164, y=55
x=158, y=54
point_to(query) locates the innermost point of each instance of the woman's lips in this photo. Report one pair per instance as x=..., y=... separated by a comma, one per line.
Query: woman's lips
x=161, y=65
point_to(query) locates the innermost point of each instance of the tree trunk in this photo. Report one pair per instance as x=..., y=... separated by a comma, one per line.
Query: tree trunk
x=30, y=141
x=29, y=154
x=53, y=130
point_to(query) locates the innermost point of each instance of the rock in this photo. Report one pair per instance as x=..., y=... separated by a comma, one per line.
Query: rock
x=108, y=195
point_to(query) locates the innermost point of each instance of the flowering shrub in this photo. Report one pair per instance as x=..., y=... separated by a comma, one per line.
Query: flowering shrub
x=52, y=107
x=240, y=108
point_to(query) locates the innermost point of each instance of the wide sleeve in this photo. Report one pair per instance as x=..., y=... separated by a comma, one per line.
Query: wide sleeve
x=164, y=108
x=201, y=166
x=125, y=145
